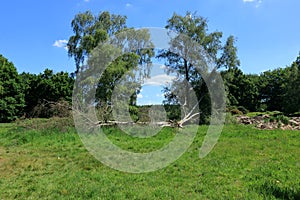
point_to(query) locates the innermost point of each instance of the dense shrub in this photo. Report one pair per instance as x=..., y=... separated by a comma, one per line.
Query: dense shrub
x=243, y=109
x=280, y=118
x=11, y=94
x=44, y=88
x=236, y=111
x=48, y=109
x=230, y=119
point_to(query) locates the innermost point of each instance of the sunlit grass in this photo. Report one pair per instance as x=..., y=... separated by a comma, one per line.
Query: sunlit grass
x=246, y=163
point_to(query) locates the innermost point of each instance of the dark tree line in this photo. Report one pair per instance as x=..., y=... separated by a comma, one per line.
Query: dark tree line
x=31, y=95
x=47, y=94
x=43, y=91
x=273, y=90
x=12, y=98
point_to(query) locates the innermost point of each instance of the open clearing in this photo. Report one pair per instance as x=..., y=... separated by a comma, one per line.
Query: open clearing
x=246, y=163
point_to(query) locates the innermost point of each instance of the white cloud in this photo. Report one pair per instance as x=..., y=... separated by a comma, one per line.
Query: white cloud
x=258, y=2
x=159, y=80
x=139, y=96
x=160, y=95
x=163, y=67
x=61, y=44
x=128, y=5
x=149, y=103
x=87, y=1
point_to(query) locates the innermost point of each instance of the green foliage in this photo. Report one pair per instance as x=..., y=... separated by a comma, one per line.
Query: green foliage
x=196, y=28
x=133, y=110
x=120, y=77
x=46, y=92
x=292, y=95
x=112, y=76
x=243, y=109
x=242, y=90
x=173, y=112
x=295, y=114
x=236, y=112
x=143, y=113
x=60, y=108
x=11, y=92
x=90, y=40
x=279, y=88
x=280, y=119
x=89, y=30
x=229, y=58
x=272, y=88
x=230, y=119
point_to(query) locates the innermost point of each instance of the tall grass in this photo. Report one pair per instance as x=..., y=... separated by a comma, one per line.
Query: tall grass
x=46, y=162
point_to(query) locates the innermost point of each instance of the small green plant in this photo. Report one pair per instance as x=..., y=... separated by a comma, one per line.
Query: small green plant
x=296, y=114
x=254, y=114
x=285, y=120
x=279, y=125
x=281, y=118
x=230, y=119
x=243, y=109
x=235, y=111
x=273, y=119
x=273, y=188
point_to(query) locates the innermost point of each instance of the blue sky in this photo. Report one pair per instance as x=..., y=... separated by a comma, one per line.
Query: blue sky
x=152, y=88
x=267, y=31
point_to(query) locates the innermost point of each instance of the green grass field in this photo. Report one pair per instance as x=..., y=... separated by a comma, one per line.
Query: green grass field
x=246, y=163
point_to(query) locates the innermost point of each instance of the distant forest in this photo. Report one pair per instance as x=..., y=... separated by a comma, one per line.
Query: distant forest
x=49, y=94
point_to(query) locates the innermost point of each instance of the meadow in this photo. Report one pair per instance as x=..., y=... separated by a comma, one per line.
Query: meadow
x=42, y=161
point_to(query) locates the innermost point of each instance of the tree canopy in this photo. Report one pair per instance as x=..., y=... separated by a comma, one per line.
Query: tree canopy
x=222, y=56
x=45, y=87
x=11, y=95
x=89, y=30
x=97, y=35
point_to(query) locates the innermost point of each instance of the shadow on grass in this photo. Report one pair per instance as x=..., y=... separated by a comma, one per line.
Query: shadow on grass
x=269, y=188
